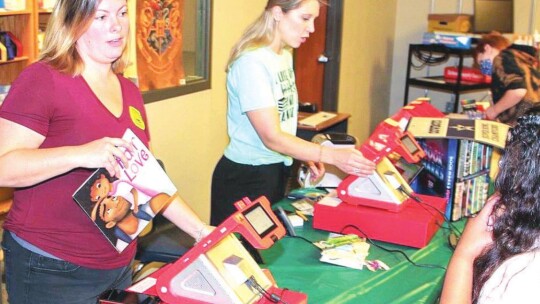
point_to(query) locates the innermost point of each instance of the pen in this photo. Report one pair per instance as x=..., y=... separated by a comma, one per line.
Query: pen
x=300, y=214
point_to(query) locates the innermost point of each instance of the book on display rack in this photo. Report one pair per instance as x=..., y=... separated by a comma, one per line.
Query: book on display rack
x=461, y=158
x=437, y=177
x=122, y=207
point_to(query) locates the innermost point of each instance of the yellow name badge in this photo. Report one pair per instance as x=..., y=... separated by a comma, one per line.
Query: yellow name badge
x=136, y=117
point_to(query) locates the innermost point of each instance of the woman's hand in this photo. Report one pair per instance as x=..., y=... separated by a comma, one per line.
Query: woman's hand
x=203, y=232
x=351, y=161
x=478, y=232
x=317, y=171
x=104, y=153
x=491, y=113
x=477, y=236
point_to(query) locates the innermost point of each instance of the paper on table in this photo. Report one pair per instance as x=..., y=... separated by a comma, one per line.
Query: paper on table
x=317, y=118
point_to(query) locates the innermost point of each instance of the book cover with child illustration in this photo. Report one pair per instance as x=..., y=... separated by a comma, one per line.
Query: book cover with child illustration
x=122, y=207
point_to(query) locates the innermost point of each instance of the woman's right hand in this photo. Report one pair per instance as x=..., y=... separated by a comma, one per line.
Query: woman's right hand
x=351, y=161
x=458, y=282
x=104, y=153
x=491, y=113
x=478, y=232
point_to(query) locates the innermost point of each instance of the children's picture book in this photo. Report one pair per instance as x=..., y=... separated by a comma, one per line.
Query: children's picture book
x=122, y=207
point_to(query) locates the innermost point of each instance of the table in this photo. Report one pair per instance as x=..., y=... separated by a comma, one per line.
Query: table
x=295, y=264
x=337, y=124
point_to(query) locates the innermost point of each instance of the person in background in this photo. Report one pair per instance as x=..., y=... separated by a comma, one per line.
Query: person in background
x=63, y=118
x=515, y=85
x=263, y=112
x=497, y=259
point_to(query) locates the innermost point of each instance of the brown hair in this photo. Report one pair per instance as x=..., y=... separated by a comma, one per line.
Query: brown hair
x=493, y=39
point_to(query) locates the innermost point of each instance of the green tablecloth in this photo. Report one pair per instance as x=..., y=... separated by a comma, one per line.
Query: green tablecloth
x=295, y=265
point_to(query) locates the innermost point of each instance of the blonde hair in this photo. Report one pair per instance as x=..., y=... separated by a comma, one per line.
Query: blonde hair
x=69, y=20
x=261, y=32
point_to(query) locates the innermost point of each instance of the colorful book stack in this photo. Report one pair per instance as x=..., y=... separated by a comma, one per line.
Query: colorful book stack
x=10, y=46
x=458, y=170
x=461, y=160
x=472, y=179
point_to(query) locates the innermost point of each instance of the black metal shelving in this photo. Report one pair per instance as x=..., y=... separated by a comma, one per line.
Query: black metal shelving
x=438, y=83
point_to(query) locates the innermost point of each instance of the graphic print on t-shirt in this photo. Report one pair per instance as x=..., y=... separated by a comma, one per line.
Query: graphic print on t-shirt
x=286, y=105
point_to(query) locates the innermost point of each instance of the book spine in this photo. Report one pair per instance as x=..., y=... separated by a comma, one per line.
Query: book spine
x=489, y=152
x=468, y=192
x=450, y=175
x=467, y=165
x=473, y=156
x=474, y=201
x=463, y=144
x=484, y=157
x=458, y=201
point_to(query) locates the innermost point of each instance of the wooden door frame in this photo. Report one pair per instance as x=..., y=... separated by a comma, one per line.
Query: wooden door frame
x=334, y=31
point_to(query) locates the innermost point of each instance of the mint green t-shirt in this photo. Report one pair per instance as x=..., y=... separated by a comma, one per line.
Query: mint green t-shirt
x=259, y=79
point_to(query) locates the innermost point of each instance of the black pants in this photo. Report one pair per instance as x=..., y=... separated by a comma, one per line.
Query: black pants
x=233, y=181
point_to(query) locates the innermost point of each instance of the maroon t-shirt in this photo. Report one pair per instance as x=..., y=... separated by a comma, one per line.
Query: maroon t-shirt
x=64, y=109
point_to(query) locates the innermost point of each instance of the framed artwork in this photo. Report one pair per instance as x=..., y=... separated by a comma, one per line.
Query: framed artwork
x=171, y=47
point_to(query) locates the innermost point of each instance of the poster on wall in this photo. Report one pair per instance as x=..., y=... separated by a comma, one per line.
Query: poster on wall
x=159, y=44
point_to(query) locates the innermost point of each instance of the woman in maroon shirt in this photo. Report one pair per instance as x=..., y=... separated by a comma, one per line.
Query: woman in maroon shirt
x=64, y=117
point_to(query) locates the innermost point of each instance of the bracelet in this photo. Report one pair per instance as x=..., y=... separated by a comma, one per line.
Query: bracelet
x=199, y=235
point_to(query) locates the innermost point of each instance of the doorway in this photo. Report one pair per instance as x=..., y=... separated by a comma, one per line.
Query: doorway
x=316, y=62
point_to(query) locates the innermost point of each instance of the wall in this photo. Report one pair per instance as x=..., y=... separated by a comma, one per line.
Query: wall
x=5, y=193
x=366, y=63
x=411, y=23
x=189, y=132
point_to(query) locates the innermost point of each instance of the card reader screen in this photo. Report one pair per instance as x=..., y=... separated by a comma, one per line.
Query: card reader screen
x=260, y=220
x=408, y=143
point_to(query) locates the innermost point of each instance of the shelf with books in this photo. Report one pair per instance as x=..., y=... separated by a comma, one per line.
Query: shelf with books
x=458, y=170
x=22, y=24
x=14, y=60
x=461, y=160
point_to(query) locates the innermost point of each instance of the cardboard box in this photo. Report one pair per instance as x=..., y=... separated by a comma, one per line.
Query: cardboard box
x=460, y=23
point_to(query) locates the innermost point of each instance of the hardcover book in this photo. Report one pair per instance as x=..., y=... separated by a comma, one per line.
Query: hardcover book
x=438, y=175
x=121, y=207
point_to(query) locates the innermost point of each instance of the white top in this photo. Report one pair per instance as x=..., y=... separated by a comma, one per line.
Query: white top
x=517, y=280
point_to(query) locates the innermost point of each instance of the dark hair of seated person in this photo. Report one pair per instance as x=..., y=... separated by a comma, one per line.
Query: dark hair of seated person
x=516, y=224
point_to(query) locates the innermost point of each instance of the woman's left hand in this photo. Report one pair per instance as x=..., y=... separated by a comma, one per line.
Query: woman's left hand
x=317, y=171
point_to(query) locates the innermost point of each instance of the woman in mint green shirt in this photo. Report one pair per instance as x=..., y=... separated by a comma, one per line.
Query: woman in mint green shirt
x=263, y=112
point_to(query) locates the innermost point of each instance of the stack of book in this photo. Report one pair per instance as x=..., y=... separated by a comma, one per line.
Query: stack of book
x=461, y=161
x=458, y=170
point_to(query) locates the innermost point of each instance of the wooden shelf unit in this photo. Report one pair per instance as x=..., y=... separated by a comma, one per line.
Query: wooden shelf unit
x=24, y=25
